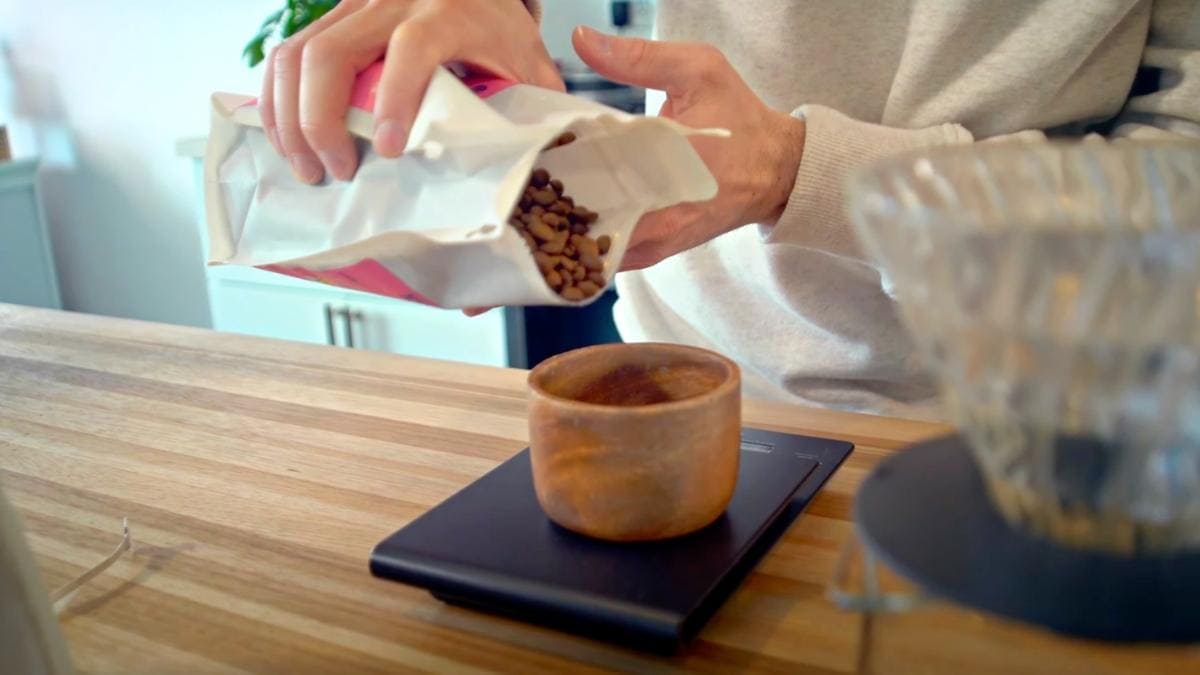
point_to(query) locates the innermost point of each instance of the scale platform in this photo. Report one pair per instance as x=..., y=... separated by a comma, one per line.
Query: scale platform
x=491, y=548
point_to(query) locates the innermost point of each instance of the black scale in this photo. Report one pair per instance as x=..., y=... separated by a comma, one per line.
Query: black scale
x=490, y=547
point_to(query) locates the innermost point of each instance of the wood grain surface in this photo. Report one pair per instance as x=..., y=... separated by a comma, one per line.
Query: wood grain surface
x=257, y=475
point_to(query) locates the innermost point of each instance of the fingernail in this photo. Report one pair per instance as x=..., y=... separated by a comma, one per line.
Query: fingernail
x=338, y=164
x=389, y=138
x=306, y=168
x=599, y=41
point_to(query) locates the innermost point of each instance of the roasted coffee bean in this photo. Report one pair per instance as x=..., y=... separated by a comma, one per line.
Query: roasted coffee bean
x=579, y=214
x=567, y=137
x=542, y=231
x=591, y=261
x=555, y=245
x=555, y=229
x=587, y=247
x=545, y=261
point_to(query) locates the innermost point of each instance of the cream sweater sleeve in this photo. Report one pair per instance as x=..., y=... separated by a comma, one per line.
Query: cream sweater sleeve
x=835, y=144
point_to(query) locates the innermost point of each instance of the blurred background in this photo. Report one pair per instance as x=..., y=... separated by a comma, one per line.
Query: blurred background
x=105, y=106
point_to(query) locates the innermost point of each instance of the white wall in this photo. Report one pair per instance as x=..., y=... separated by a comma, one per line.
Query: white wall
x=109, y=87
x=125, y=79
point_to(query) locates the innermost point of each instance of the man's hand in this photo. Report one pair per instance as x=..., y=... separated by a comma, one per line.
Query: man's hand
x=755, y=168
x=309, y=78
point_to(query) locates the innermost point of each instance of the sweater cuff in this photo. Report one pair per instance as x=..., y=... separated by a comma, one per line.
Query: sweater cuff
x=834, y=146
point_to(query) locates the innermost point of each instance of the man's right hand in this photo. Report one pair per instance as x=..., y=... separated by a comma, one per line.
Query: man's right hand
x=309, y=77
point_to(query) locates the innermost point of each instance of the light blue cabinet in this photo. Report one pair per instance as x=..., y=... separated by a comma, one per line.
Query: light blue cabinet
x=27, y=271
x=254, y=302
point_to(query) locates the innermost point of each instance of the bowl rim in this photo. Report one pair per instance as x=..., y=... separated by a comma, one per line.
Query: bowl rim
x=732, y=381
x=1185, y=147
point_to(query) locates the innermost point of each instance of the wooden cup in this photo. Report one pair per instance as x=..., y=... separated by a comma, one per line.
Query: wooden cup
x=633, y=442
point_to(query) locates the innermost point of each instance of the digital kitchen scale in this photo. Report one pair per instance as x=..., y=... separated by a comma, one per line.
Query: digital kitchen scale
x=490, y=547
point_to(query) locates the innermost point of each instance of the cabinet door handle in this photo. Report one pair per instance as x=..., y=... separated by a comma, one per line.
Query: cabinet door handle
x=349, y=318
x=329, y=336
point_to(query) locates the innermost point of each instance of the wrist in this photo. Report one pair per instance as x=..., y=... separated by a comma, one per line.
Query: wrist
x=786, y=136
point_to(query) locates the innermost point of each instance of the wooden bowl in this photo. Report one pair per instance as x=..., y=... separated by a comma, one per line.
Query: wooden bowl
x=633, y=442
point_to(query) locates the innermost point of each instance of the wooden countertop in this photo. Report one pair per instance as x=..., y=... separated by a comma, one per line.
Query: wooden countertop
x=257, y=475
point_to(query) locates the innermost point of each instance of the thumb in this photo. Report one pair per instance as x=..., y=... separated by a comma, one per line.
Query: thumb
x=643, y=63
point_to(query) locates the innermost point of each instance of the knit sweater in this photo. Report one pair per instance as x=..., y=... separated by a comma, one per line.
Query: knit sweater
x=797, y=304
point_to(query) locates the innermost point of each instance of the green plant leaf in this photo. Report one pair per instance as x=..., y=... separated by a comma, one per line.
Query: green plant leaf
x=271, y=21
x=284, y=23
x=253, y=53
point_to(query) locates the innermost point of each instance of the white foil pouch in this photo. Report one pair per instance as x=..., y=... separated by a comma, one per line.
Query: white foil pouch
x=431, y=226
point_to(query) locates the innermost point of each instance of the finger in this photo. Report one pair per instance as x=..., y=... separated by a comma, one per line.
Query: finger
x=546, y=75
x=331, y=61
x=287, y=71
x=669, y=66
x=412, y=58
x=266, y=104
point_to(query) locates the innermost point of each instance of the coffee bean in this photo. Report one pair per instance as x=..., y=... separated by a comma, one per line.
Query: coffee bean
x=587, y=247
x=567, y=137
x=555, y=245
x=555, y=229
x=542, y=231
x=589, y=260
x=544, y=261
